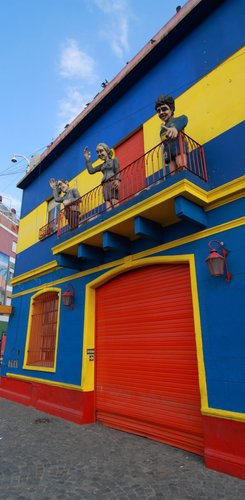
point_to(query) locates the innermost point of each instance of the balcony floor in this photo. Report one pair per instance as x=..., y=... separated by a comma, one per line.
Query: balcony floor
x=155, y=203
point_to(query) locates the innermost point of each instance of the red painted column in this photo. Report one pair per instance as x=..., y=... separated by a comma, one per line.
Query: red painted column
x=70, y=404
x=224, y=446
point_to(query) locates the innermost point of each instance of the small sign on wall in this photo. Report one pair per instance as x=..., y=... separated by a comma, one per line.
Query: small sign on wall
x=13, y=363
x=90, y=353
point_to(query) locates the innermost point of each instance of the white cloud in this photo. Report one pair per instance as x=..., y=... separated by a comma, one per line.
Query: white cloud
x=109, y=6
x=119, y=41
x=75, y=63
x=117, y=29
x=72, y=105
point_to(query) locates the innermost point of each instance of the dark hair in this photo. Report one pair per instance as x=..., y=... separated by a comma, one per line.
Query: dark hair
x=63, y=181
x=165, y=99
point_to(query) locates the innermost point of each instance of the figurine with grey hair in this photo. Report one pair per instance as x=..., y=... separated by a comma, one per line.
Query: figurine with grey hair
x=169, y=133
x=110, y=169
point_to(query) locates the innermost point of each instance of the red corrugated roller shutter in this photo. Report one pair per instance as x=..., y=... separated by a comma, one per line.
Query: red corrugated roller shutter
x=146, y=362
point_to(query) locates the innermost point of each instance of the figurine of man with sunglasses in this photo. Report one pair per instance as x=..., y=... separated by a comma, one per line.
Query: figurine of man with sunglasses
x=174, y=146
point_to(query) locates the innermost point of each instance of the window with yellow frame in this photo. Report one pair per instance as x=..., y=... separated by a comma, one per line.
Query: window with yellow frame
x=42, y=334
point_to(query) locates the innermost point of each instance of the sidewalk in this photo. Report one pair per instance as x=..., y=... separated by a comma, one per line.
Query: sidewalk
x=46, y=458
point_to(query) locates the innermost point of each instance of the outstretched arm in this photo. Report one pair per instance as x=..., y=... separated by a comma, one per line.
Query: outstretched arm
x=177, y=126
x=56, y=191
x=87, y=156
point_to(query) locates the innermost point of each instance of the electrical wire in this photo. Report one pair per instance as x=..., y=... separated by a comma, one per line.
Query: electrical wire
x=13, y=173
x=129, y=115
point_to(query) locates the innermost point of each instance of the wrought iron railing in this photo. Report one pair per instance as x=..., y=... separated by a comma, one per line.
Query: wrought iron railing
x=163, y=161
x=48, y=229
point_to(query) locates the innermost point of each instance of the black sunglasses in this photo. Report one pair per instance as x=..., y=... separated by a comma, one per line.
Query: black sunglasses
x=162, y=108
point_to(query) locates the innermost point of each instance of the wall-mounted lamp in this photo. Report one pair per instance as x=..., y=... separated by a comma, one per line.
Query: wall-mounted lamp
x=68, y=297
x=216, y=262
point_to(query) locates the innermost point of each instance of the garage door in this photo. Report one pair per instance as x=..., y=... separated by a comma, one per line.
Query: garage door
x=146, y=363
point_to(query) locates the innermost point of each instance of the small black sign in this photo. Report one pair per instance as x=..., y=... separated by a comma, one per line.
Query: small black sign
x=90, y=351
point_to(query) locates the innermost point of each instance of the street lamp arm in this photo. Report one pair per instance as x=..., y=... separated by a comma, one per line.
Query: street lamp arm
x=13, y=159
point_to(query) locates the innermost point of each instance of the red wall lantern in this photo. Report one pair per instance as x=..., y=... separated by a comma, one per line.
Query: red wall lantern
x=68, y=297
x=216, y=262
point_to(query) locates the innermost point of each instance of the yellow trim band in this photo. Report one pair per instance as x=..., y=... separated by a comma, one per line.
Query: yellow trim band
x=44, y=381
x=182, y=187
x=38, y=271
x=225, y=414
x=205, y=233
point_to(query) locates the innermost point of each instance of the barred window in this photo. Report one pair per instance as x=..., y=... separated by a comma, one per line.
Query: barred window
x=43, y=330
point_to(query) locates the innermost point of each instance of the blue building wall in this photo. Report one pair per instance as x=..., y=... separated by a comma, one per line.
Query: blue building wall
x=204, y=48
x=221, y=303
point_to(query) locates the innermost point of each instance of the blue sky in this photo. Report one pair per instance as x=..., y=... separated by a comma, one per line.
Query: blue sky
x=54, y=55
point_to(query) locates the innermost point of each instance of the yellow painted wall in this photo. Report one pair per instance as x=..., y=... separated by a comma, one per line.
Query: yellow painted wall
x=213, y=105
x=29, y=227
x=31, y=223
x=85, y=181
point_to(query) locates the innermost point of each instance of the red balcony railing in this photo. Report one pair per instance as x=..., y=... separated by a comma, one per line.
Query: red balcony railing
x=48, y=229
x=163, y=161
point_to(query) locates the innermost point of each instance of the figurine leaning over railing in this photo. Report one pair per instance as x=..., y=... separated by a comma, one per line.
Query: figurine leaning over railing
x=69, y=197
x=174, y=147
x=110, y=169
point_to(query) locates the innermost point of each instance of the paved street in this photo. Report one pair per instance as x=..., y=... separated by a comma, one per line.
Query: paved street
x=43, y=457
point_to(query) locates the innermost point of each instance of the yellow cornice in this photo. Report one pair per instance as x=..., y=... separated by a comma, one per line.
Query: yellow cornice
x=231, y=191
x=164, y=195
x=74, y=276
x=208, y=199
x=204, y=233
x=38, y=271
x=227, y=192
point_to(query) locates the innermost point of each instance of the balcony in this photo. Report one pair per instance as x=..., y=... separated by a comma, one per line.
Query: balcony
x=142, y=178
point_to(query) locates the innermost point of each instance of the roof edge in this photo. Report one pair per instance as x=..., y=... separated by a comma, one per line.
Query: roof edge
x=162, y=33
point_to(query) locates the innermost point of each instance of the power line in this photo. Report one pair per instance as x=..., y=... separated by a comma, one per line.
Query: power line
x=13, y=173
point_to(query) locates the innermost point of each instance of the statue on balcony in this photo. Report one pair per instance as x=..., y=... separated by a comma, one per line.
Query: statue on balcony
x=174, y=145
x=69, y=197
x=110, y=169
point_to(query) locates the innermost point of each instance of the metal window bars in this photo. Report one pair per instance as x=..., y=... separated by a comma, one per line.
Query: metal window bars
x=41, y=348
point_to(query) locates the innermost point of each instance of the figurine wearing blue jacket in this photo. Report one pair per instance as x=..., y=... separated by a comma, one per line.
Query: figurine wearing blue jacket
x=169, y=133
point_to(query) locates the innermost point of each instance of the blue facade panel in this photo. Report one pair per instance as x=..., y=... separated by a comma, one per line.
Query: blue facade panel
x=201, y=51
x=220, y=304
x=156, y=225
